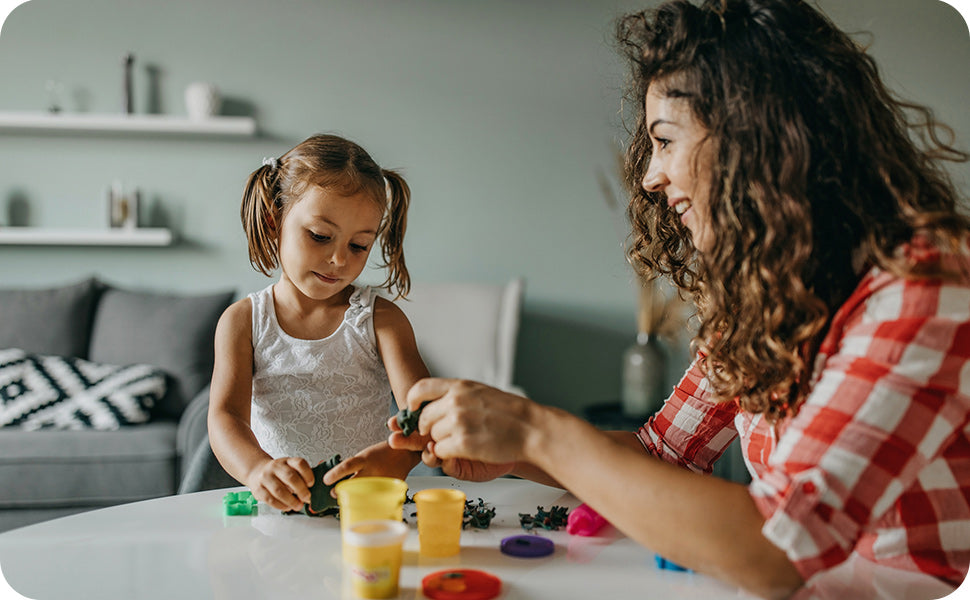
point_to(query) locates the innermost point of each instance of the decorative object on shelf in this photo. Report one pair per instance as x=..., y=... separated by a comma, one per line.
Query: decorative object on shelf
x=202, y=100
x=128, y=101
x=123, y=206
x=18, y=209
x=153, y=102
x=55, y=91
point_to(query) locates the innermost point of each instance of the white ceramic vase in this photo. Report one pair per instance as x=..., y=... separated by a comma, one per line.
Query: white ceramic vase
x=202, y=100
x=644, y=377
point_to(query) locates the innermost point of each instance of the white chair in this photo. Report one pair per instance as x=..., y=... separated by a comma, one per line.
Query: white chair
x=467, y=330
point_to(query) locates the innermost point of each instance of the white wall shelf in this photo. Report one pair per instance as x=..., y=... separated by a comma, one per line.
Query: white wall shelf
x=37, y=236
x=38, y=122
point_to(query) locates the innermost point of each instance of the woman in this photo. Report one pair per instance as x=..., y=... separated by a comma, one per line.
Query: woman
x=777, y=181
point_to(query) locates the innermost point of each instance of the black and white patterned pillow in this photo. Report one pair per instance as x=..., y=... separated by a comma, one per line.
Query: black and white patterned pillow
x=56, y=392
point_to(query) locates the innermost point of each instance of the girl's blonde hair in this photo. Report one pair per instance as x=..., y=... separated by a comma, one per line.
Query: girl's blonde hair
x=330, y=162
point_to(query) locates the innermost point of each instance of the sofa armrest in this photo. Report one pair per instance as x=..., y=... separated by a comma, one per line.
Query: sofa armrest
x=192, y=428
x=198, y=467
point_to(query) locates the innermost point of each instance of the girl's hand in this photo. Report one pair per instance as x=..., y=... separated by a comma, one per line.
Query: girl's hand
x=283, y=483
x=471, y=421
x=379, y=460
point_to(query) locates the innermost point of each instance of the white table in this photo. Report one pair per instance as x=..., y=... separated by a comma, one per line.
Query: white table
x=184, y=547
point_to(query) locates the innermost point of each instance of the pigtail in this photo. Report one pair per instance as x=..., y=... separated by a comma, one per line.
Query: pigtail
x=260, y=212
x=392, y=234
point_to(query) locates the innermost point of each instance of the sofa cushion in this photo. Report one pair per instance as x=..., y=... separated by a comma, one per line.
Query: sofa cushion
x=86, y=468
x=56, y=392
x=49, y=321
x=173, y=332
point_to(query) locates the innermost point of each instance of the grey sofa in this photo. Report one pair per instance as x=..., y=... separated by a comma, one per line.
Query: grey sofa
x=47, y=473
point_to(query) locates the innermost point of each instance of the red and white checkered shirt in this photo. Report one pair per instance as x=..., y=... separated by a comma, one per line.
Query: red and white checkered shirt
x=875, y=467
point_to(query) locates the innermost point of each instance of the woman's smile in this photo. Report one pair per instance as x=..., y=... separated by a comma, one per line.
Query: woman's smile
x=682, y=208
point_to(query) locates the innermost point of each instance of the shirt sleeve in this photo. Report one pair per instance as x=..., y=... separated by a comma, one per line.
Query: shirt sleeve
x=894, y=391
x=690, y=430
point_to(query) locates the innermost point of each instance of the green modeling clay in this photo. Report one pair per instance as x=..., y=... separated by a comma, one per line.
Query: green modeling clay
x=321, y=502
x=477, y=516
x=552, y=519
x=408, y=420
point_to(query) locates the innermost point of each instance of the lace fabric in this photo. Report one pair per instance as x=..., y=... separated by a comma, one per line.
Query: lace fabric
x=316, y=398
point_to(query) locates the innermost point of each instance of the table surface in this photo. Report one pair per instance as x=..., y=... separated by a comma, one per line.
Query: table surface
x=184, y=547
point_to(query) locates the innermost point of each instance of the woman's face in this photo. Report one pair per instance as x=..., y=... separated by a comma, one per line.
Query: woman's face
x=680, y=163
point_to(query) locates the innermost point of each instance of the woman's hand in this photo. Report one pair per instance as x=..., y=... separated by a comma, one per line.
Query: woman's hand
x=474, y=470
x=283, y=483
x=379, y=460
x=476, y=432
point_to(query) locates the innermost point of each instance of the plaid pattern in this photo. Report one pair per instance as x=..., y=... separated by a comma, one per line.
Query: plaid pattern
x=877, y=461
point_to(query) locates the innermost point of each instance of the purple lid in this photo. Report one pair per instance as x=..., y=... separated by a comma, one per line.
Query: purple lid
x=527, y=546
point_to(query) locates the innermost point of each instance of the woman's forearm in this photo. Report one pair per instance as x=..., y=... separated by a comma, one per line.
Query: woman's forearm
x=530, y=471
x=702, y=522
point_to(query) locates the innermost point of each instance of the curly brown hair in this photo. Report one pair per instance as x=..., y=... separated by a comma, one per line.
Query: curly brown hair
x=332, y=162
x=816, y=163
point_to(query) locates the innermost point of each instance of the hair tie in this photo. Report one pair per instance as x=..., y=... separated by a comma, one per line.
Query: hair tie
x=270, y=162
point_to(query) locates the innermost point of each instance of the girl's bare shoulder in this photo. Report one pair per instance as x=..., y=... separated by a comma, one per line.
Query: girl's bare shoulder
x=237, y=317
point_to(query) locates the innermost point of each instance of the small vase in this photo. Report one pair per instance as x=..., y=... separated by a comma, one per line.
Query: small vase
x=644, y=377
x=202, y=100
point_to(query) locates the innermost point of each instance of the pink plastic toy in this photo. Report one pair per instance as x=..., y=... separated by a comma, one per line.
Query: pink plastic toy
x=585, y=521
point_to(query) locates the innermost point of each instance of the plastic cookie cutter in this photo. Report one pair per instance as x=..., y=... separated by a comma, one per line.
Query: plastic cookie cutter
x=461, y=584
x=239, y=503
x=527, y=546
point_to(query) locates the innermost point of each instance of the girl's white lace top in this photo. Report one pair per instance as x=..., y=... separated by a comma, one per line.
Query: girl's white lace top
x=316, y=398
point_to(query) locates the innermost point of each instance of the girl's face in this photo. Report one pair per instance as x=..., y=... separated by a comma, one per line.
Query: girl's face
x=325, y=240
x=681, y=162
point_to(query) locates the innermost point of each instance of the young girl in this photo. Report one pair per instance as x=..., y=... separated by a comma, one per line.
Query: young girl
x=777, y=180
x=305, y=368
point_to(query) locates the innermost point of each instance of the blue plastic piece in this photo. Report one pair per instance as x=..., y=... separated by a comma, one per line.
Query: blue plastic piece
x=663, y=563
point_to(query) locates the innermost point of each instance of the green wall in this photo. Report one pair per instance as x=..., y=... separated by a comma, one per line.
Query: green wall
x=498, y=112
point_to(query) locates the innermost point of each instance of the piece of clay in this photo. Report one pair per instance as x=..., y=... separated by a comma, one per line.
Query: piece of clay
x=321, y=502
x=551, y=519
x=585, y=521
x=477, y=516
x=407, y=419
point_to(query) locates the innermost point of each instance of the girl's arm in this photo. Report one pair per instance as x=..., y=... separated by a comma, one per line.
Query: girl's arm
x=404, y=366
x=398, y=349
x=281, y=483
x=702, y=522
